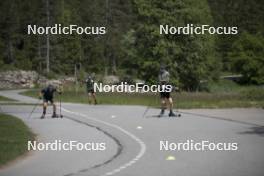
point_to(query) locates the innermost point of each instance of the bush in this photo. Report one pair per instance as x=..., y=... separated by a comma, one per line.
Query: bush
x=223, y=86
x=247, y=58
x=254, y=94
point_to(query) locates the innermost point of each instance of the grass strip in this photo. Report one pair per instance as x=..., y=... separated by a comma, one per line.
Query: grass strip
x=14, y=135
x=184, y=100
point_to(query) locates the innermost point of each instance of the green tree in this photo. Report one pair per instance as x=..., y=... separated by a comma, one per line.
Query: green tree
x=246, y=15
x=190, y=58
x=247, y=57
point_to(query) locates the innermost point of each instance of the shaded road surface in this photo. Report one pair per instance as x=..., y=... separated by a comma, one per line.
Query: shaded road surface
x=133, y=142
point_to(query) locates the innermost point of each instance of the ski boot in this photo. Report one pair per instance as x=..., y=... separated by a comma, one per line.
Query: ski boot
x=54, y=115
x=42, y=116
x=172, y=114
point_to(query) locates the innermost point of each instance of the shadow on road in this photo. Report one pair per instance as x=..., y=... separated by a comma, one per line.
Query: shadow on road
x=259, y=130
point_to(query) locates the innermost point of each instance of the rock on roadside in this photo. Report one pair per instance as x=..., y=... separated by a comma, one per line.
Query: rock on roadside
x=18, y=79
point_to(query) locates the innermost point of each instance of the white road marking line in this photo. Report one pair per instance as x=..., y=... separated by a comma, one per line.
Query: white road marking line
x=139, y=127
x=142, y=145
x=113, y=116
x=170, y=158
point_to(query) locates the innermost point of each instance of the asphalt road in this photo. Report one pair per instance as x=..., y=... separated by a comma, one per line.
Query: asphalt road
x=133, y=141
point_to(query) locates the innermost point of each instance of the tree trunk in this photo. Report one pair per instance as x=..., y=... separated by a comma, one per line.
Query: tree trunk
x=48, y=38
x=10, y=52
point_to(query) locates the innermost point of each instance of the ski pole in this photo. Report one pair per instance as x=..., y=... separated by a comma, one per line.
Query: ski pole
x=34, y=109
x=147, y=108
x=175, y=102
x=60, y=107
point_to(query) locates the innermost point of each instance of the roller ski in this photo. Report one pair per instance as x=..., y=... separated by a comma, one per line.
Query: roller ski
x=172, y=114
x=54, y=115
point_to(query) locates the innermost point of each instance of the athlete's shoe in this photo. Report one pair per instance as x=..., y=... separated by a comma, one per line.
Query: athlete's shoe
x=54, y=115
x=171, y=114
x=42, y=116
x=161, y=113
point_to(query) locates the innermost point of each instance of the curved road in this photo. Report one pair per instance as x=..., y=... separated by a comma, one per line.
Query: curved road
x=133, y=142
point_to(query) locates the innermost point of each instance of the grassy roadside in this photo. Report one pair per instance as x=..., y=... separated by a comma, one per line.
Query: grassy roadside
x=244, y=97
x=14, y=135
x=5, y=99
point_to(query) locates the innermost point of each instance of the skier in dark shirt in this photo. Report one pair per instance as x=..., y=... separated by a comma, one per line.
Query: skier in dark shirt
x=47, y=94
x=90, y=89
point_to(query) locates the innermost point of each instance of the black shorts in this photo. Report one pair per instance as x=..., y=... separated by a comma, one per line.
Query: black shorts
x=165, y=95
x=90, y=91
x=46, y=100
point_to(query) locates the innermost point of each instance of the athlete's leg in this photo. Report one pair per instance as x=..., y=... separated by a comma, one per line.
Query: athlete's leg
x=45, y=104
x=163, y=105
x=94, y=98
x=54, y=108
x=170, y=102
x=89, y=97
